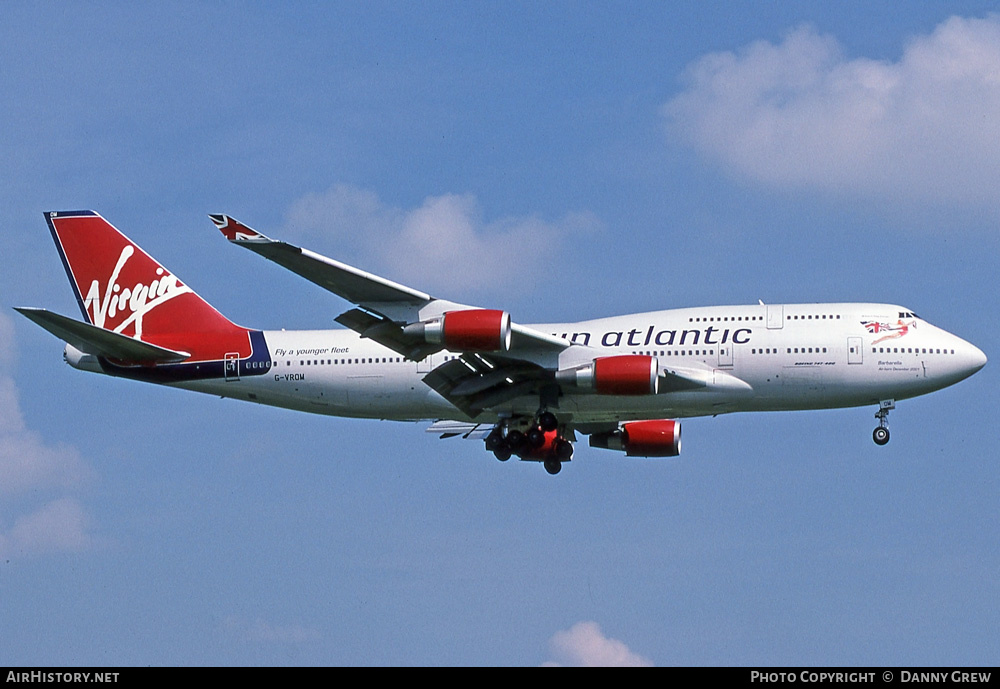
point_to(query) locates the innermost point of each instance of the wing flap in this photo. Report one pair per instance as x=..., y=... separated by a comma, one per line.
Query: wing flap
x=386, y=332
x=475, y=382
x=451, y=429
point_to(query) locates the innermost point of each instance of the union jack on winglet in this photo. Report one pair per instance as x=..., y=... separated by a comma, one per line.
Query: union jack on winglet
x=235, y=231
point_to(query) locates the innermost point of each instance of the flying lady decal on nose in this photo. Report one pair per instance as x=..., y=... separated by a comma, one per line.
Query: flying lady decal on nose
x=891, y=330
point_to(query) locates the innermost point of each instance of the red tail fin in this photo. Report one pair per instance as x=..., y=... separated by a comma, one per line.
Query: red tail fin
x=122, y=288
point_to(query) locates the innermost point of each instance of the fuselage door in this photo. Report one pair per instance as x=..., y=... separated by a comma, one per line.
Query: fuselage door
x=854, y=351
x=232, y=366
x=426, y=365
x=726, y=355
x=775, y=316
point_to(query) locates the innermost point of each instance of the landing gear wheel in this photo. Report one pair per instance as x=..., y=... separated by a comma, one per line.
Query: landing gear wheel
x=553, y=466
x=494, y=440
x=516, y=441
x=547, y=421
x=564, y=450
x=536, y=438
x=880, y=435
x=502, y=452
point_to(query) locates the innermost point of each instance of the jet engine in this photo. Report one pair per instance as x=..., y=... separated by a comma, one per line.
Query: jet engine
x=628, y=374
x=658, y=438
x=472, y=330
x=81, y=360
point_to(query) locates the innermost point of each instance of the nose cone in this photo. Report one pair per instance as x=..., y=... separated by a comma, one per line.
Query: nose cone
x=963, y=360
x=969, y=359
x=976, y=358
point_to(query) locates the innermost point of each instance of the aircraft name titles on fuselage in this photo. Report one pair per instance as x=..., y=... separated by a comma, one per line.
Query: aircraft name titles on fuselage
x=662, y=338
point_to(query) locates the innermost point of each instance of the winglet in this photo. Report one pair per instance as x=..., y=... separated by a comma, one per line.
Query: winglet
x=235, y=231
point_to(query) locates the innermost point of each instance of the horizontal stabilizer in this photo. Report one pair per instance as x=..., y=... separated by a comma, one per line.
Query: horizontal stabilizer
x=91, y=339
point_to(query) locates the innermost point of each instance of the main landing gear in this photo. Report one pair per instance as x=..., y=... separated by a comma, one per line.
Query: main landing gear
x=539, y=440
x=881, y=434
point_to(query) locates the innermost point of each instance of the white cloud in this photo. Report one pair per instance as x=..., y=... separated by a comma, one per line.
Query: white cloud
x=28, y=466
x=342, y=214
x=443, y=246
x=26, y=462
x=58, y=526
x=583, y=645
x=799, y=114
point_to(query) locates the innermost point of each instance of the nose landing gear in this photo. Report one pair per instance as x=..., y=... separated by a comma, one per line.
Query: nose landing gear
x=881, y=434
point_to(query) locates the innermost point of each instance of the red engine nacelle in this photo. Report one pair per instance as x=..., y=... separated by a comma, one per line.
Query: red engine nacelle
x=628, y=374
x=482, y=330
x=658, y=438
x=472, y=330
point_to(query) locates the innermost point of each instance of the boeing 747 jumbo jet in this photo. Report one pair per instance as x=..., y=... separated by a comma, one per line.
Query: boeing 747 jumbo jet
x=526, y=390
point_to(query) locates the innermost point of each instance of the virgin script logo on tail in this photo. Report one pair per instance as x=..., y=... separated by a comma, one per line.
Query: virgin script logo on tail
x=129, y=304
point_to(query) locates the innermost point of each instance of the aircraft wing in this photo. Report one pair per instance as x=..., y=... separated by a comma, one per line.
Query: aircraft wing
x=386, y=307
x=91, y=339
x=477, y=381
x=348, y=282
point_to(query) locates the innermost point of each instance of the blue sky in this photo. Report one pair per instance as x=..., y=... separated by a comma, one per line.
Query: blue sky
x=559, y=160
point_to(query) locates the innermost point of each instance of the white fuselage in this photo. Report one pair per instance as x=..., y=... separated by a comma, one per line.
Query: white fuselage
x=755, y=358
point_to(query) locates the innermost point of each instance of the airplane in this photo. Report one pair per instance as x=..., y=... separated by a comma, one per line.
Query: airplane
x=524, y=390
